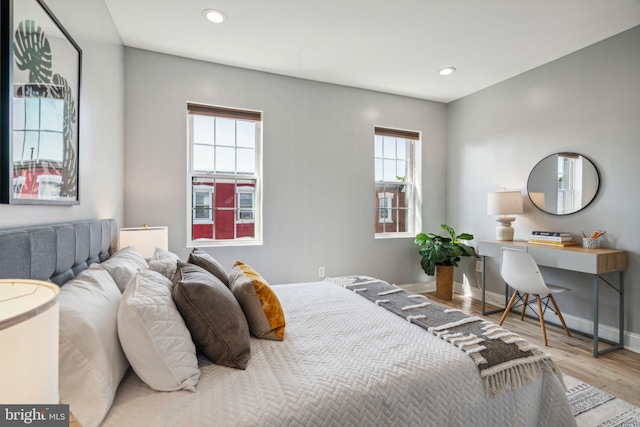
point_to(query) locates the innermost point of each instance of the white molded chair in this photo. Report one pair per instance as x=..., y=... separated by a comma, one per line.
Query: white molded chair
x=520, y=271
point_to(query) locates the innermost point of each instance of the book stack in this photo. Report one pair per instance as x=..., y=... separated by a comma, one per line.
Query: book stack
x=555, y=238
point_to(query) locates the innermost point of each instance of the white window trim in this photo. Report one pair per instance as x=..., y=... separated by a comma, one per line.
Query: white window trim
x=47, y=179
x=245, y=190
x=389, y=197
x=415, y=204
x=18, y=183
x=257, y=200
x=202, y=189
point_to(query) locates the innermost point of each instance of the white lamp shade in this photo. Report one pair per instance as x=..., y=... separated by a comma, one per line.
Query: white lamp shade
x=29, y=324
x=504, y=203
x=144, y=239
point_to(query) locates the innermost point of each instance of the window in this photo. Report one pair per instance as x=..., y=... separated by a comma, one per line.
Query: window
x=385, y=202
x=202, y=198
x=397, y=160
x=18, y=184
x=49, y=186
x=224, y=175
x=569, y=183
x=245, y=199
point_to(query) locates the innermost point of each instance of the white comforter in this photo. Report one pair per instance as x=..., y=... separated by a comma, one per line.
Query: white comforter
x=344, y=362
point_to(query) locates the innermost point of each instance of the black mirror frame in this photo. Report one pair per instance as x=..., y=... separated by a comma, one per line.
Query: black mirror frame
x=583, y=207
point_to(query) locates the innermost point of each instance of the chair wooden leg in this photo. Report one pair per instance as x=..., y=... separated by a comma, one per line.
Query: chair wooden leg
x=540, y=312
x=524, y=307
x=506, y=310
x=564, y=325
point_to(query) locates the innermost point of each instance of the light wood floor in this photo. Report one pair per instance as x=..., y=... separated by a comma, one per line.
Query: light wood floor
x=618, y=372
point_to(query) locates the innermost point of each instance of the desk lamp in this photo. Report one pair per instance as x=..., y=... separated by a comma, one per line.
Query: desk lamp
x=504, y=203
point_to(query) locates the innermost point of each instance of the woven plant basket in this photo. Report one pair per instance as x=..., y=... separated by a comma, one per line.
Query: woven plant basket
x=444, y=282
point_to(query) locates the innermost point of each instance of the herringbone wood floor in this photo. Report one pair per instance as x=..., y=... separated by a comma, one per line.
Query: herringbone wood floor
x=618, y=372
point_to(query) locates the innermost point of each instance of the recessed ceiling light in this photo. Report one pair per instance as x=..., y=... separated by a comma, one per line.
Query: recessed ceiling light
x=446, y=71
x=214, y=16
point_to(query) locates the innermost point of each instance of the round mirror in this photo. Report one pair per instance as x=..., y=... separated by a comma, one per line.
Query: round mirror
x=563, y=183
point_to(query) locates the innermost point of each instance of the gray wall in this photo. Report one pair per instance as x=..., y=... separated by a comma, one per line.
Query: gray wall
x=101, y=120
x=587, y=102
x=318, y=165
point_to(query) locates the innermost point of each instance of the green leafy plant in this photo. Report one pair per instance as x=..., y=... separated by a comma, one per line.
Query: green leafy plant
x=443, y=250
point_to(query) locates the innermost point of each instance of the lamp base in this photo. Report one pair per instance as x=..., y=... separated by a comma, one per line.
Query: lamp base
x=504, y=230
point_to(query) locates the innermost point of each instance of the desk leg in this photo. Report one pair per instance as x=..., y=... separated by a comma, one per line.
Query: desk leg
x=506, y=295
x=621, y=320
x=482, y=274
x=595, y=315
x=620, y=343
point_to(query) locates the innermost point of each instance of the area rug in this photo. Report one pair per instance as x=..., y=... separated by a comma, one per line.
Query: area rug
x=593, y=407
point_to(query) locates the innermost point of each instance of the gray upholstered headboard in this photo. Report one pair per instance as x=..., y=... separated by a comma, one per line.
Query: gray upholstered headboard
x=56, y=252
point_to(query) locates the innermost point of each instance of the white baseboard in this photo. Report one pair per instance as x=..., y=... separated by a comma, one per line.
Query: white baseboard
x=631, y=341
x=420, y=288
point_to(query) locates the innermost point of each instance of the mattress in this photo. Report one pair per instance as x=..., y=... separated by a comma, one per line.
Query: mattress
x=344, y=362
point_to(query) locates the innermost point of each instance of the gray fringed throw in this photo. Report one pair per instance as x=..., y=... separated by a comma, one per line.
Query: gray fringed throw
x=505, y=360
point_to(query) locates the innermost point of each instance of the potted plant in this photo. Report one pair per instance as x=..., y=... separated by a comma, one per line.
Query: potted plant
x=440, y=254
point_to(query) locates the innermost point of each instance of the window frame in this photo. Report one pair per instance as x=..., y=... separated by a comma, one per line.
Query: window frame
x=256, y=178
x=202, y=189
x=388, y=197
x=410, y=183
x=240, y=210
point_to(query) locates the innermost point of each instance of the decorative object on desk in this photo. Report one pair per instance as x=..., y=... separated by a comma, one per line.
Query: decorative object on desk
x=589, y=243
x=29, y=320
x=553, y=243
x=145, y=239
x=40, y=92
x=440, y=254
x=592, y=242
x=558, y=238
x=551, y=233
x=504, y=203
x=563, y=183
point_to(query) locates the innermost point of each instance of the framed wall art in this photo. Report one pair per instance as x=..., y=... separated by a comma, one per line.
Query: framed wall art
x=39, y=119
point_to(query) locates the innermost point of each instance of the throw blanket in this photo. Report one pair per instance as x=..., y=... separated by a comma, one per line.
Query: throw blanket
x=505, y=360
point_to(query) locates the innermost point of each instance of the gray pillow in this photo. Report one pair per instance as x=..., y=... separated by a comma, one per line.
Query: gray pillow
x=209, y=263
x=212, y=315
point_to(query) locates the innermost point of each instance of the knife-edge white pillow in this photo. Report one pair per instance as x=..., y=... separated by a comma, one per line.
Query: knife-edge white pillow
x=154, y=336
x=91, y=362
x=124, y=264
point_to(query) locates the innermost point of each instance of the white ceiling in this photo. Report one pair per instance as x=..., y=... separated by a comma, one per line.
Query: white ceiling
x=395, y=47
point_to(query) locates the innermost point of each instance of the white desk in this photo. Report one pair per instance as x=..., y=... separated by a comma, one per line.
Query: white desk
x=573, y=258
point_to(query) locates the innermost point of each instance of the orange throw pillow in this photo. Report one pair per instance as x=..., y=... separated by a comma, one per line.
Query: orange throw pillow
x=258, y=301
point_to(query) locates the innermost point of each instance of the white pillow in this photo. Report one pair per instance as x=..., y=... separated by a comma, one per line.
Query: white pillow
x=154, y=336
x=91, y=362
x=124, y=264
x=164, y=262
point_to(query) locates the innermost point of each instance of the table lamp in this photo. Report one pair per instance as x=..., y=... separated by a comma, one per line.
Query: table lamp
x=145, y=239
x=504, y=203
x=29, y=324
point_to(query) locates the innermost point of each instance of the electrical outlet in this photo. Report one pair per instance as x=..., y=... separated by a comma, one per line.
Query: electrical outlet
x=479, y=266
x=320, y=272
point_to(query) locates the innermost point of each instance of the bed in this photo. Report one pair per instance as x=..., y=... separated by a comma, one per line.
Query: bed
x=344, y=360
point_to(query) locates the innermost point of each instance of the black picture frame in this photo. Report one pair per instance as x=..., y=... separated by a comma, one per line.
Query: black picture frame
x=40, y=77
